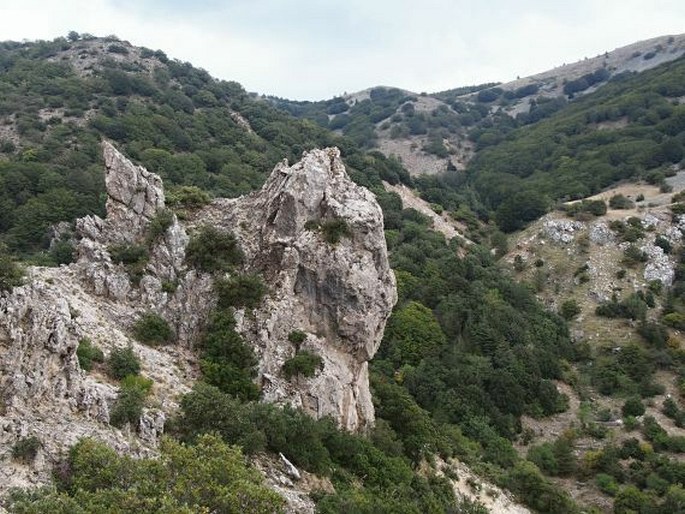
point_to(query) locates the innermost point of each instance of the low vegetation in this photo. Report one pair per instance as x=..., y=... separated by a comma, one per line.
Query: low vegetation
x=11, y=273
x=88, y=354
x=209, y=476
x=304, y=364
x=26, y=449
x=128, y=407
x=123, y=362
x=152, y=329
x=240, y=291
x=211, y=250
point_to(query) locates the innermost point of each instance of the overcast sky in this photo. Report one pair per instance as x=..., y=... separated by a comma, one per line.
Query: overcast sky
x=315, y=49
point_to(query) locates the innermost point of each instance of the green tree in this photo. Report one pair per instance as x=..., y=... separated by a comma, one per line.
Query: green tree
x=152, y=329
x=212, y=250
x=209, y=476
x=123, y=362
x=630, y=500
x=633, y=406
x=412, y=334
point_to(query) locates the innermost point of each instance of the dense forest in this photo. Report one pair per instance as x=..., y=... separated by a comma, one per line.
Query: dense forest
x=467, y=351
x=560, y=148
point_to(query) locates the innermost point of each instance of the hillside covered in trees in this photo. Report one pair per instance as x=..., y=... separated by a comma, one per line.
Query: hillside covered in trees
x=468, y=351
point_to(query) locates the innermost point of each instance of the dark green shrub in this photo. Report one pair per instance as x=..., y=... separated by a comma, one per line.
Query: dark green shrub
x=152, y=329
x=117, y=49
x=227, y=361
x=655, y=286
x=633, y=307
x=569, y=309
x=621, y=202
x=87, y=353
x=297, y=337
x=303, y=363
x=11, y=273
x=62, y=252
x=312, y=225
x=134, y=258
x=334, y=230
x=663, y=243
x=129, y=404
x=544, y=458
x=675, y=320
x=208, y=476
x=593, y=207
x=128, y=254
x=169, y=286
x=670, y=409
x=188, y=197
x=632, y=256
x=629, y=232
x=654, y=433
x=159, y=225
x=212, y=250
x=606, y=483
x=653, y=333
x=526, y=481
x=123, y=362
x=633, y=407
x=26, y=449
x=678, y=208
x=240, y=291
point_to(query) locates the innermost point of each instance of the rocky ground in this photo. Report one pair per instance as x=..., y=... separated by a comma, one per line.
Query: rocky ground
x=570, y=259
x=339, y=294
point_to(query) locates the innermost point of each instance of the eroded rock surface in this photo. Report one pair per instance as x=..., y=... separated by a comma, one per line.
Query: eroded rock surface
x=43, y=391
x=339, y=293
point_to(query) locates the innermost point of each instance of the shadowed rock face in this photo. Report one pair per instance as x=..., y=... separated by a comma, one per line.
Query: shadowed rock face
x=340, y=294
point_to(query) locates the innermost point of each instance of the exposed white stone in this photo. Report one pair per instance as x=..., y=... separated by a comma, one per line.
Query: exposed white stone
x=659, y=265
x=562, y=231
x=650, y=221
x=601, y=234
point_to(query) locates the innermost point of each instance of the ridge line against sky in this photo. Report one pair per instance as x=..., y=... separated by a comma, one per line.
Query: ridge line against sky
x=316, y=49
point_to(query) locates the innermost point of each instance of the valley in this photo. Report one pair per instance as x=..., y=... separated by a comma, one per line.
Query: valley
x=464, y=301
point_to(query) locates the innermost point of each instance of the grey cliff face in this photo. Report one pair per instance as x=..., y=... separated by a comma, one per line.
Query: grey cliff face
x=339, y=294
x=134, y=195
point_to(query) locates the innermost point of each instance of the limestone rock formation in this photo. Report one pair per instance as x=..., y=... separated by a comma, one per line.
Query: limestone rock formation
x=43, y=391
x=339, y=293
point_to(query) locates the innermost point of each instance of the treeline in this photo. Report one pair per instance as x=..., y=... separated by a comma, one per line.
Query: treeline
x=632, y=127
x=174, y=119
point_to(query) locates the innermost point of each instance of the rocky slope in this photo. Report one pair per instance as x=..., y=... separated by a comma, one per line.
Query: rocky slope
x=340, y=295
x=548, y=85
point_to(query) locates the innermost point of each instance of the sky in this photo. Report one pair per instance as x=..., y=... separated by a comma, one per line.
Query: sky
x=317, y=49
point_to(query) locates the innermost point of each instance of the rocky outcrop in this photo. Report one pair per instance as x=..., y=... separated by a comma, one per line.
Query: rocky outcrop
x=134, y=196
x=134, y=199
x=43, y=391
x=561, y=231
x=659, y=266
x=339, y=293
